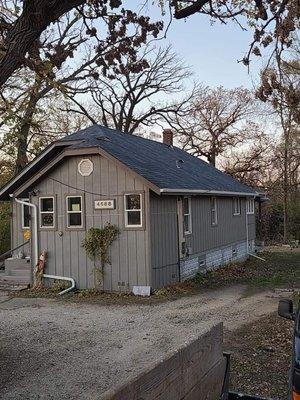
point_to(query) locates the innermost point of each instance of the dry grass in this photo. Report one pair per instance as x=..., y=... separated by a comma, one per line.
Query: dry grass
x=281, y=270
x=261, y=356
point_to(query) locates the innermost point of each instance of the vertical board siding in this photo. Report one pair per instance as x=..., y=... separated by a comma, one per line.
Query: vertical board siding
x=251, y=226
x=164, y=240
x=66, y=256
x=204, y=239
x=230, y=228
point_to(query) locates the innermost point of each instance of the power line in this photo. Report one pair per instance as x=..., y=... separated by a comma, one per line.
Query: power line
x=87, y=191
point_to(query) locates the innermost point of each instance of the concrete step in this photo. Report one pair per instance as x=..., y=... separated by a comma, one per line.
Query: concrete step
x=14, y=280
x=12, y=287
x=15, y=263
x=19, y=272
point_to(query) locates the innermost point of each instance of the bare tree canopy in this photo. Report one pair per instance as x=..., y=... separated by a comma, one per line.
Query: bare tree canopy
x=22, y=23
x=215, y=120
x=132, y=100
x=66, y=56
x=253, y=163
x=273, y=22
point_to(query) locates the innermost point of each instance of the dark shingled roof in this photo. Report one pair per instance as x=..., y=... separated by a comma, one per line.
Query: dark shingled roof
x=164, y=166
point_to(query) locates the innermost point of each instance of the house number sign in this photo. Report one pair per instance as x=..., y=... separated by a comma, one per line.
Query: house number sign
x=104, y=204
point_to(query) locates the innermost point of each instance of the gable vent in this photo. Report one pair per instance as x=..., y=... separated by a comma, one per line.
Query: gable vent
x=85, y=167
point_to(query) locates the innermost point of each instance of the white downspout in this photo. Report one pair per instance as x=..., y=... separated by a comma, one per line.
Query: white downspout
x=63, y=278
x=247, y=237
x=34, y=228
x=36, y=245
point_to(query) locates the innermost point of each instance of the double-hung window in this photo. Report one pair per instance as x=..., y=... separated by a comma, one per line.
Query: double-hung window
x=214, y=211
x=250, y=206
x=25, y=210
x=133, y=204
x=47, y=212
x=187, y=215
x=74, y=212
x=236, y=206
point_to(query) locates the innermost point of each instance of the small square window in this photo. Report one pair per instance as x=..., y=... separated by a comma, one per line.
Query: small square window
x=250, y=206
x=236, y=206
x=47, y=212
x=133, y=210
x=187, y=215
x=25, y=215
x=214, y=211
x=74, y=211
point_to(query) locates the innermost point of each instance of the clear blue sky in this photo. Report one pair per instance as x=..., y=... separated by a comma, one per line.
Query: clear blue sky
x=212, y=51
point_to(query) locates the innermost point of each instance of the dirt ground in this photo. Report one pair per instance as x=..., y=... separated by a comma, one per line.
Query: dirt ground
x=52, y=349
x=261, y=356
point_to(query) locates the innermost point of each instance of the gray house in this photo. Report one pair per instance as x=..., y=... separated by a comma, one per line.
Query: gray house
x=177, y=214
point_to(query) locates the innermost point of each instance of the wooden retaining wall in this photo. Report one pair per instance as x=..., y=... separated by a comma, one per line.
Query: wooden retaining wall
x=194, y=372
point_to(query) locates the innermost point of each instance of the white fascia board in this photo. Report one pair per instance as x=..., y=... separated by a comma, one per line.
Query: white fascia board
x=207, y=192
x=30, y=165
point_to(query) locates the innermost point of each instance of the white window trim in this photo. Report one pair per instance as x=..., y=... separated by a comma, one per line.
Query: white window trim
x=215, y=209
x=47, y=212
x=136, y=209
x=237, y=210
x=250, y=209
x=22, y=215
x=74, y=212
x=189, y=215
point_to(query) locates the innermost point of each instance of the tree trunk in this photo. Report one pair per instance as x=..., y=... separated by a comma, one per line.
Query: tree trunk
x=285, y=186
x=212, y=159
x=22, y=141
x=36, y=16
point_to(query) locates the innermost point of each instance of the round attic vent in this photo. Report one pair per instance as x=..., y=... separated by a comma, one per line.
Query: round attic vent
x=85, y=167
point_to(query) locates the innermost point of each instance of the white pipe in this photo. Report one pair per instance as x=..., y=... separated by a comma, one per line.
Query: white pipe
x=62, y=278
x=247, y=238
x=35, y=228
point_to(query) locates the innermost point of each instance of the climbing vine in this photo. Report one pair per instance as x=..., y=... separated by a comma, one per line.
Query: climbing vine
x=97, y=243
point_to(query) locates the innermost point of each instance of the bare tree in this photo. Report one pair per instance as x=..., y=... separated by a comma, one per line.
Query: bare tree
x=272, y=22
x=252, y=163
x=215, y=120
x=133, y=99
x=66, y=55
x=280, y=86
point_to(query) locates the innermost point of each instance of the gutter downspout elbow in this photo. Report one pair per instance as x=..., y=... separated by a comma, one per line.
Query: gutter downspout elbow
x=35, y=227
x=63, y=278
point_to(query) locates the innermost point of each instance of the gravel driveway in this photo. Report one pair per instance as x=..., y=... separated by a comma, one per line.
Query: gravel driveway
x=51, y=349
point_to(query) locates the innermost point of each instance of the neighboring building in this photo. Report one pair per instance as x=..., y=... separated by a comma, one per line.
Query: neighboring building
x=177, y=214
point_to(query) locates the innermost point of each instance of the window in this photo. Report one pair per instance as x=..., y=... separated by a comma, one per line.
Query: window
x=187, y=215
x=133, y=210
x=250, y=206
x=25, y=215
x=214, y=211
x=47, y=212
x=236, y=206
x=74, y=212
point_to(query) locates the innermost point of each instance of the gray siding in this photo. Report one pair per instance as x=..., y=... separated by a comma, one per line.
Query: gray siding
x=230, y=228
x=17, y=232
x=129, y=255
x=206, y=240
x=251, y=226
x=164, y=240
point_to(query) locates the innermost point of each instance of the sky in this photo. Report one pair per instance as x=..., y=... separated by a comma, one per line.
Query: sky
x=210, y=50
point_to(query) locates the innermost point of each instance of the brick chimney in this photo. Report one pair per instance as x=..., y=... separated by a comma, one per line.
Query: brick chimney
x=168, y=137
